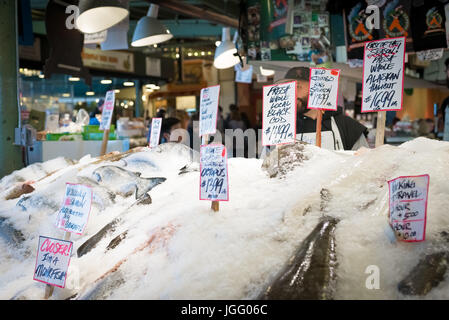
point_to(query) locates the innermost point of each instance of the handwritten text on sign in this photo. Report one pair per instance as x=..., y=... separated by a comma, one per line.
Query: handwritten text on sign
x=323, y=89
x=279, y=114
x=383, y=75
x=209, y=110
x=214, y=173
x=108, y=109
x=52, y=262
x=408, y=207
x=156, y=125
x=75, y=210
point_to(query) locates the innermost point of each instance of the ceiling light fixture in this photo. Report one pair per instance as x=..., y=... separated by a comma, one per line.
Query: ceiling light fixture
x=96, y=16
x=106, y=81
x=128, y=84
x=150, y=30
x=224, y=54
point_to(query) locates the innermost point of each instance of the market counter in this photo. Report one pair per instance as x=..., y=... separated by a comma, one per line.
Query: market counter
x=47, y=150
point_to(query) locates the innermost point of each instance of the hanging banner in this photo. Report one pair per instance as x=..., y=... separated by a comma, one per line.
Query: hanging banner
x=383, y=75
x=323, y=89
x=209, y=110
x=408, y=207
x=108, y=109
x=214, y=173
x=156, y=125
x=52, y=261
x=279, y=114
x=74, y=214
x=108, y=60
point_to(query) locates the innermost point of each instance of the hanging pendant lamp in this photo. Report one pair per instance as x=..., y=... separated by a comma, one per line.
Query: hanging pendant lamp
x=99, y=15
x=224, y=54
x=149, y=30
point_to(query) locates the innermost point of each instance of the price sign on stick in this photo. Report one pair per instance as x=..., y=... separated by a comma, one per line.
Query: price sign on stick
x=208, y=110
x=214, y=173
x=106, y=117
x=383, y=79
x=323, y=94
x=408, y=207
x=279, y=114
x=52, y=261
x=323, y=89
x=156, y=125
x=75, y=210
x=108, y=109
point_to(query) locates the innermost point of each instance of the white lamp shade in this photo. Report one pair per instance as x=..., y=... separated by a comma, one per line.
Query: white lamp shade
x=150, y=31
x=96, y=16
x=224, y=54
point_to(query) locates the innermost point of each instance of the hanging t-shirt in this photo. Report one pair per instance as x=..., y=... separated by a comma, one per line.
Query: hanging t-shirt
x=356, y=31
x=429, y=24
x=395, y=21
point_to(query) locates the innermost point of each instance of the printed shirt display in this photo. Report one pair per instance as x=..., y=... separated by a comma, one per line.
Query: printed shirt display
x=429, y=25
x=395, y=21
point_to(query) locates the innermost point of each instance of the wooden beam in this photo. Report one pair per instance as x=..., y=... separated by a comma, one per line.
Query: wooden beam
x=196, y=12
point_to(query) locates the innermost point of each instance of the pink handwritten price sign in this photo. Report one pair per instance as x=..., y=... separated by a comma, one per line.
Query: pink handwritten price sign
x=408, y=207
x=52, y=261
x=156, y=125
x=279, y=114
x=214, y=173
x=108, y=109
x=74, y=214
x=323, y=89
x=383, y=75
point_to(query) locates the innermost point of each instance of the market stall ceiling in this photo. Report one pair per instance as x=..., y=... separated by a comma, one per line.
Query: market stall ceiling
x=138, y=9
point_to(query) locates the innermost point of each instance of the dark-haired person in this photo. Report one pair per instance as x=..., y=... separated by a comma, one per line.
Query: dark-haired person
x=338, y=131
x=168, y=126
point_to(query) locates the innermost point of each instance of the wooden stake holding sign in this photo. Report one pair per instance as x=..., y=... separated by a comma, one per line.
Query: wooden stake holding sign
x=53, y=256
x=209, y=99
x=323, y=94
x=383, y=80
x=106, y=117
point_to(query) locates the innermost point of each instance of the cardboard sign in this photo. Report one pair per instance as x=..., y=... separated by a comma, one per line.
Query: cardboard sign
x=279, y=114
x=214, y=173
x=156, y=125
x=209, y=109
x=408, y=207
x=383, y=75
x=323, y=89
x=108, y=109
x=52, y=261
x=75, y=210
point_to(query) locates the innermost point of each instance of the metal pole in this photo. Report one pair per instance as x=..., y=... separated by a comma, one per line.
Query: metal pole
x=10, y=154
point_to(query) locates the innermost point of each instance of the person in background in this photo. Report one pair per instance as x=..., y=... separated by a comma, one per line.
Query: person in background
x=245, y=120
x=160, y=113
x=235, y=121
x=193, y=128
x=167, y=128
x=220, y=121
x=184, y=117
x=339, y=132
x=93, y=115
x=232, y=108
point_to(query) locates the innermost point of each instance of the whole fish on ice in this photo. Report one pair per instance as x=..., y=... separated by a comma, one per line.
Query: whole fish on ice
x=428, y=273
x=311, y=273
x=10, y=234
x=125, y=182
